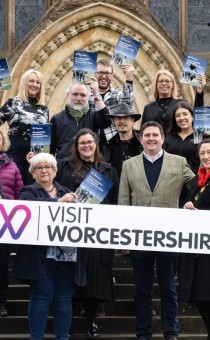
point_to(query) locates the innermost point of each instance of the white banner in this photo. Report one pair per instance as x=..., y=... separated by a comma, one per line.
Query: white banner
x=105, y=226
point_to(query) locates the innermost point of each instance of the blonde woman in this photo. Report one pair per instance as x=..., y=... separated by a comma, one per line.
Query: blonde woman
x=165, y=95
x=27, y=108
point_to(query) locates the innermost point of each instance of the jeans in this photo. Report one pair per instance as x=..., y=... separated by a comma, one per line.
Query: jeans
x=58, y=287
x=143, y=267
x=18, y=150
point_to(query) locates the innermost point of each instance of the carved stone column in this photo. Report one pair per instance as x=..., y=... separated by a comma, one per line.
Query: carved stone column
x=10, y=25
x=183, y=24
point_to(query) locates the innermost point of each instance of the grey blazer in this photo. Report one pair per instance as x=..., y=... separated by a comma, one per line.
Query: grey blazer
x=135, y=189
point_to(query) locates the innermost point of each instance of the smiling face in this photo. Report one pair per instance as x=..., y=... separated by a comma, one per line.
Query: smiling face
x=33, y=85
x=152, y=140
x=104, y=76
x=164, y=86
x=44, y=173
x=87, y=147
x=204, y=154
x=184, y=119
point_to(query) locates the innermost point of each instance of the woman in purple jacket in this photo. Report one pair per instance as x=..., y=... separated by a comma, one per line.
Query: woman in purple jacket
x=11, y=182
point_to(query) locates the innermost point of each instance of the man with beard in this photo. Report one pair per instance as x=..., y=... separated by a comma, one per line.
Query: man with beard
x=125, y=144
x=77, y=115
x=111, y=97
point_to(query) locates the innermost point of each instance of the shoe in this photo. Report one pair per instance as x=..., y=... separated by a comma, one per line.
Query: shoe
x=140, y=338
x=3, y=312
x=93, y=330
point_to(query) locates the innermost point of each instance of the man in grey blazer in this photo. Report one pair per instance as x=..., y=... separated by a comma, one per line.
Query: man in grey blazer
x=154, y=178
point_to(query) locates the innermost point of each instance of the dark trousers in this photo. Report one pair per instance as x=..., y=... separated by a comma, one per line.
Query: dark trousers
x=4, y=262
x=18, y=150
x=204, y=310
x=143, y=267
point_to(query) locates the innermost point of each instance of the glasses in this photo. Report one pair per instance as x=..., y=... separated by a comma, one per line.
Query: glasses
x=89, y=142
x=41, y=168
x=101, y=73
x=165, y=81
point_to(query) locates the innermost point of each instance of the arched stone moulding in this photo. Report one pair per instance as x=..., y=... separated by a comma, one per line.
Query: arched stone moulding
x=96, y=27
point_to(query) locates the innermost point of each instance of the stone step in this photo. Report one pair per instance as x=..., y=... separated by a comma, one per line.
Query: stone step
x=104, y=337
x=107, y=324
x=117, y=308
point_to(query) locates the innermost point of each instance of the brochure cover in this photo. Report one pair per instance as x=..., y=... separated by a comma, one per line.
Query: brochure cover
x=84, y=66
x=125, y=51
x=5, y=78
x=194, y=66
x=201, y=122
x=40, y=137
x=93, y=188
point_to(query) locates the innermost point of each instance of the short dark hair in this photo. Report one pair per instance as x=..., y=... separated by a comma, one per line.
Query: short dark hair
x=104, y=62
x=173, y=126
x=151, y=123
x=74, y=153
x=205, y=140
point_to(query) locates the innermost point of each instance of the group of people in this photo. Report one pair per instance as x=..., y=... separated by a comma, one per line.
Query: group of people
x=152, y=167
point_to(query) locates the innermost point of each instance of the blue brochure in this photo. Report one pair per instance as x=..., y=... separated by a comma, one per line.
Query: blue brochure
x=84, y=66
x=40, y=137
x=125, y=51
x=5, y=78
x=93, y=188
x=194, y=66
x=201, y=122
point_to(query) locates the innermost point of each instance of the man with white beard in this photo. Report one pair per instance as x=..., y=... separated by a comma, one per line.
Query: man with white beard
x=77, y=115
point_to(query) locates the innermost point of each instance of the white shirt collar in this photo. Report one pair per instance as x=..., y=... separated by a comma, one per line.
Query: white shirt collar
x=157, y=156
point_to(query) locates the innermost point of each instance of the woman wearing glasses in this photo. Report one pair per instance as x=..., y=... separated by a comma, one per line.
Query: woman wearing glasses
x=165, y=94
x=50, y=271
x=84, y=156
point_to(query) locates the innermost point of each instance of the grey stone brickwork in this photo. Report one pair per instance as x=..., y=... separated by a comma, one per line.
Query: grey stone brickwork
x=166, y=11
x=27, y=13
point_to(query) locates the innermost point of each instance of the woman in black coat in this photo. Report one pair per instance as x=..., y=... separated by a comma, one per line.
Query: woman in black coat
x=194, y=270
x=85, y=155
x=180, y=140
x=165, y=94
x=51, y=271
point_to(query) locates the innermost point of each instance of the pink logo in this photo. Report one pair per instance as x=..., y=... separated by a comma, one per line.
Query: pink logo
x=8, y=220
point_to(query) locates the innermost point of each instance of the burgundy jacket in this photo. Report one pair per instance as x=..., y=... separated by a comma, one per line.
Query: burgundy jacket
x=10, y=177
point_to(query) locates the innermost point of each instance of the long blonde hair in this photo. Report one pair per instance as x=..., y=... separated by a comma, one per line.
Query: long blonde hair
x=169, y=74
x=22, y=89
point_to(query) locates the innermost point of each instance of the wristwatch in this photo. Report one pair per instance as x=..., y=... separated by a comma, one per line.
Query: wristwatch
x=98, y=98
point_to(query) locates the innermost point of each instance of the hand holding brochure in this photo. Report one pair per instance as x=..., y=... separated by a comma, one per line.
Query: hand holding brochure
x=84, y=66
x=40, y=138
x=93, y=188
x=125, y=51
x=5, y=78
x=201, y=122
x=194, y=66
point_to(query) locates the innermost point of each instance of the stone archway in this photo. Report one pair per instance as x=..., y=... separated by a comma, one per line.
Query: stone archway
x=96, y=26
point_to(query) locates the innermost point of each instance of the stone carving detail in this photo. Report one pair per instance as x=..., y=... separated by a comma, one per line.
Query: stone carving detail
x=84, y=25
x=98, y=46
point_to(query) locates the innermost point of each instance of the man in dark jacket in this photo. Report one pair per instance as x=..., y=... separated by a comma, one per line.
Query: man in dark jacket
x=125, y=144
x=77, y=115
